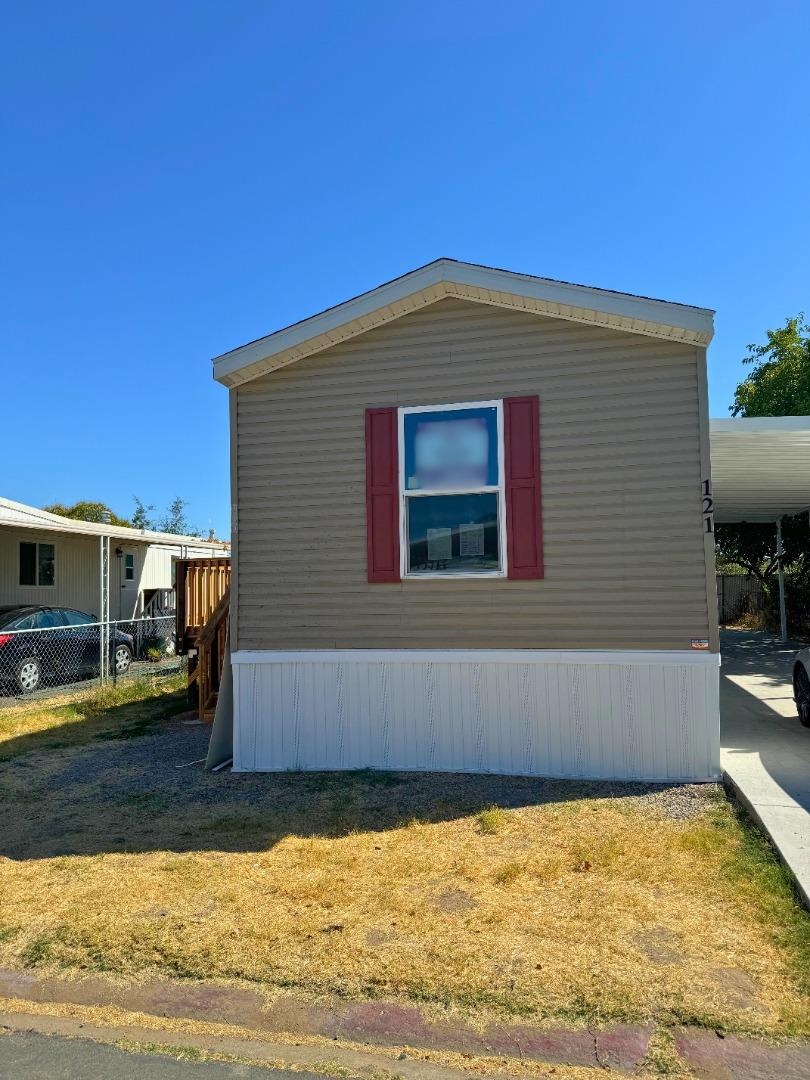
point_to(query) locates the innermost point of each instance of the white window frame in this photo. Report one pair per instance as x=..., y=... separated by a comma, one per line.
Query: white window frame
x=129, y=555
x=405, y=494
x=37, y=544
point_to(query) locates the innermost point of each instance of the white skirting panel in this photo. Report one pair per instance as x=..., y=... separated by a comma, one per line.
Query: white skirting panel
x=623, y=715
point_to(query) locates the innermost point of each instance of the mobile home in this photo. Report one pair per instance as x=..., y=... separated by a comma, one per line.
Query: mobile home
x=53, y=561
x=470, y=533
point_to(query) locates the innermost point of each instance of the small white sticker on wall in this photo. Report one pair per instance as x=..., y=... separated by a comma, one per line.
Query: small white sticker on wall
x=700, y=643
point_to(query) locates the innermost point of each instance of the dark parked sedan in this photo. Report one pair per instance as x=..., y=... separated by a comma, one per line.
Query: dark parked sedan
x=39, y=644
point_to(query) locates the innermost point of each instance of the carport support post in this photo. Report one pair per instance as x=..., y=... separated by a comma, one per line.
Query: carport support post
x=779, y=553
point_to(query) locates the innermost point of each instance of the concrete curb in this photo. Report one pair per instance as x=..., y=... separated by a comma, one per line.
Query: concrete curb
x=763, y=819
x=267, y=1053
x=620, y=1048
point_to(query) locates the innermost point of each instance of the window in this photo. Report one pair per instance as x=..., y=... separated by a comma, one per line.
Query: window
x=129, y=567
x=454, y=491
x=48, y=618
x=452, y=507
x=37, y=564
x=78, y=618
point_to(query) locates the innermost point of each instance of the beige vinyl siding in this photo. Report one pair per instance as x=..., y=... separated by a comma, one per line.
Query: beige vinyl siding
x=620, y=457
x=76, y=576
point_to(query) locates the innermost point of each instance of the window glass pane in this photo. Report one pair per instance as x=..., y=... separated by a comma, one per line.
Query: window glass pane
x=453, y=534
x=129, y=567
x=451, y=450
x=78, y=618
x=48, y=618
x=28, y=564
x=46, y=564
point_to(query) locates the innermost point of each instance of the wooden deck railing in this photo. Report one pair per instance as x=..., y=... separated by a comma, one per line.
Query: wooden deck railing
x=203, y=594
x=201, y=584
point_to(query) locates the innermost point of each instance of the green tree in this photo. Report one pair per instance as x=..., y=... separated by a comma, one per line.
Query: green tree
x=141, y=519
x=752, y=545
x=85, y=511
x=175, y=521
x=779, y=384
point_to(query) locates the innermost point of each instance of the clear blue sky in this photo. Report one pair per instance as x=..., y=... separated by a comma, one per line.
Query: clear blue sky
x=179, y=178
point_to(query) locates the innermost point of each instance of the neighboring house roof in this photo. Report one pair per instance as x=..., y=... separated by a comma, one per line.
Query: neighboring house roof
x=465, y=281
x=31, y=517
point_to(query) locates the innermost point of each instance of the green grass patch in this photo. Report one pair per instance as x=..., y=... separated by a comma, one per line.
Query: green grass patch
x=756, y=871
x=492, y=820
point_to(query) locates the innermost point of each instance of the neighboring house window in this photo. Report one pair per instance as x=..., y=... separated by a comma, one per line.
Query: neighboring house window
x=37, y=564
x=129, y=567
x=451, y=486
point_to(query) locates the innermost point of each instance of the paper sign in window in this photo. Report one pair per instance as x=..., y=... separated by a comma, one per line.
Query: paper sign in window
x=470, y=539
x=439, y=544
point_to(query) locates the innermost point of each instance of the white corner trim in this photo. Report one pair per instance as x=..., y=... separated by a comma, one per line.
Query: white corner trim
x=479, y=656
x=481, y=284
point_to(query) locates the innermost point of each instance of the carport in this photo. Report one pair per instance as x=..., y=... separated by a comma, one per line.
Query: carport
x=761, y=473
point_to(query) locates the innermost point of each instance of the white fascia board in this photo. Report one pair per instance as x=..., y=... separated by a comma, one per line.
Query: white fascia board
x=480, y=284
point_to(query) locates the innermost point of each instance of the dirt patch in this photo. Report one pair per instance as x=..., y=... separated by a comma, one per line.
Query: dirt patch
x=738, y=986
x=659, y=945
x=455, y=902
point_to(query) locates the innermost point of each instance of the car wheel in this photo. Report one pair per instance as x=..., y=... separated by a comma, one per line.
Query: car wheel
x=28, y=675
x=801, y=689
x=121, y=659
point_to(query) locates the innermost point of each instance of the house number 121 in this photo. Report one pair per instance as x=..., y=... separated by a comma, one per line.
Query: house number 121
x=708, y=506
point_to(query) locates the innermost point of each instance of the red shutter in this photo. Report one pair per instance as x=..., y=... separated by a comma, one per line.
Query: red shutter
x=382, y=494
x=524, y=536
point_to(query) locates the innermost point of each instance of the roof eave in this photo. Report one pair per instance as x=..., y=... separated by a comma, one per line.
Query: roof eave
x=45, y=521
x=446, y=278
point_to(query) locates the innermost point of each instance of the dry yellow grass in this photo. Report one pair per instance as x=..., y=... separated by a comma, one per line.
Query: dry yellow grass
x=85, y=714
x=499, y=898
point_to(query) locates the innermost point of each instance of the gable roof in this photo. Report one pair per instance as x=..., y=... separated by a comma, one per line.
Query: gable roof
x=31, y=517
x=464, y=281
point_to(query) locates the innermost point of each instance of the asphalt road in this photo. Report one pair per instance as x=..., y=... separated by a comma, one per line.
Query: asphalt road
x=28, y=1056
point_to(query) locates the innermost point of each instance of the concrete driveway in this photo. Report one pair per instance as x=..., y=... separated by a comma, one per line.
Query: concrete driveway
x=765, y=751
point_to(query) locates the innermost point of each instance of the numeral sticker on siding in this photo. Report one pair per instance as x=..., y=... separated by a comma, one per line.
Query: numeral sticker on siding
x=708, y=506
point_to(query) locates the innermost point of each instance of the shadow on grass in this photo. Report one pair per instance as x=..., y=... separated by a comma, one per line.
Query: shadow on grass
x=130, y=779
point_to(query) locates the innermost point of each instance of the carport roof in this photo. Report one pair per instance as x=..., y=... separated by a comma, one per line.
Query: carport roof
x=760, y=467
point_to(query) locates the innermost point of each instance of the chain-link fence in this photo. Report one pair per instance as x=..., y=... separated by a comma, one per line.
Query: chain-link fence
x=43, y=660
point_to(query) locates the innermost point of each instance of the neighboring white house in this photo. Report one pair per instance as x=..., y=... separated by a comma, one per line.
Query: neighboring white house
x=56, y=561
